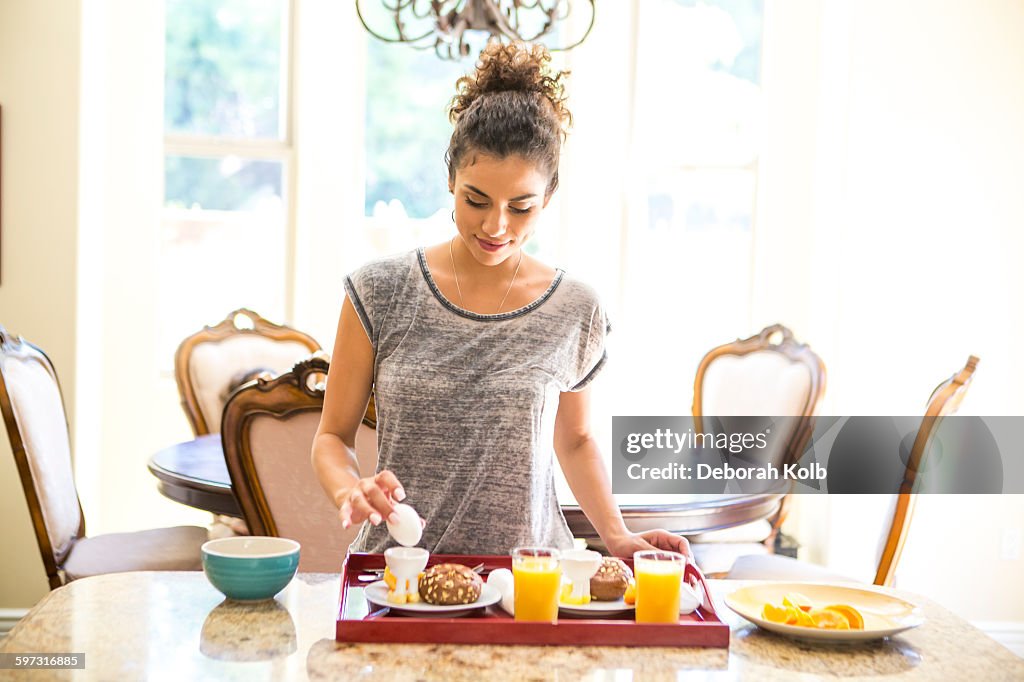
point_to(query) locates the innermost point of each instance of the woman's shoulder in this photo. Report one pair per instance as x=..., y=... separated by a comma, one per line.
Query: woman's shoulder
x=577, y=290
x=385, y=267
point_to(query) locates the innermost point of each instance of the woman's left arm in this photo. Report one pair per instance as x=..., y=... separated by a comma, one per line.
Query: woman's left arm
x=584, y=470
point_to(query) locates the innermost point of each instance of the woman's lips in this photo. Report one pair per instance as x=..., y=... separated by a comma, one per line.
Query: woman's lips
x=490, y=247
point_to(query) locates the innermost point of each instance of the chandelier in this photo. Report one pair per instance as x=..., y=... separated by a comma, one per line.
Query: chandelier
x=443, y=24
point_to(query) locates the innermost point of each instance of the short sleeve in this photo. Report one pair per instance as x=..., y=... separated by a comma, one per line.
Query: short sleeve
x=591, y=355
x=360, y=289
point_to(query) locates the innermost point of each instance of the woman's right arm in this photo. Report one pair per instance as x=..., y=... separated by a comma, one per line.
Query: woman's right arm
x=349, y=382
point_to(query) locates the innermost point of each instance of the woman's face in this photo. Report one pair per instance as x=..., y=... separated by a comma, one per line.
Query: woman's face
x=497, y=205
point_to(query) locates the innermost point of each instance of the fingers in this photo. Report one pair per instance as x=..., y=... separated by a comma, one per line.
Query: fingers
x=662, y=539
x=388, y=482
x=371, y=500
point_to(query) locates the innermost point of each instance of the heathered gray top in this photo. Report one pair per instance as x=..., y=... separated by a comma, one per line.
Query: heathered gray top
x=466, y=404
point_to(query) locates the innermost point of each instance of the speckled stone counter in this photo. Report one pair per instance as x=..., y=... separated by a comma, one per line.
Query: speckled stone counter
x=175, y=626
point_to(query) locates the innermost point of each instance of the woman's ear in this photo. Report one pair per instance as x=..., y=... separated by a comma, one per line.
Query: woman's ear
x=451, y=187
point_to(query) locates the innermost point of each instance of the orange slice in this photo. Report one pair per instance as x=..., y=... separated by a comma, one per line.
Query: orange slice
x=803, y=619
x=389, y=578
x=852, y=615
x=827, y=619
x=798, y=600
x=630, y=596
x=779, y=614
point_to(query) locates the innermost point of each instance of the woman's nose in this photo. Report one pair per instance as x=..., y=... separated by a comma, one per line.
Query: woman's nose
x=496, y=223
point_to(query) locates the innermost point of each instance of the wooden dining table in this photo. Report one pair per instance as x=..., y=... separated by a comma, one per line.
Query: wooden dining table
x=195, y=473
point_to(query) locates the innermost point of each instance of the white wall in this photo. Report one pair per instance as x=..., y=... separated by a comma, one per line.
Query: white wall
x=917, y=229
x=39, y=83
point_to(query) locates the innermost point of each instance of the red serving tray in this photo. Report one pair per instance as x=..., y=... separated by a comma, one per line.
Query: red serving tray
x=356, y=623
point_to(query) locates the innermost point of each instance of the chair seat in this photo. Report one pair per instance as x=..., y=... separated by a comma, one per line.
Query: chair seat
x=776, y=567
x=158, y=549
x=716, y=558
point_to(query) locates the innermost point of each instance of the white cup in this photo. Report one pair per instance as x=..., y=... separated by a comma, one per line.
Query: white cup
x=406, y=564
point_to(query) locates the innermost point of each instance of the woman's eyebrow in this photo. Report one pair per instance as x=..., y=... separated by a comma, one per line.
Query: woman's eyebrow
x=518, y=198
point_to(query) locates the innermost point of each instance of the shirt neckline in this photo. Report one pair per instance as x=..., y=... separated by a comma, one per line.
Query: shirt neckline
x=483, y=317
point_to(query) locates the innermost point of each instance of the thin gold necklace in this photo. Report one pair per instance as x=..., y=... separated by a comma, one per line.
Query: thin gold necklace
x=459, y=288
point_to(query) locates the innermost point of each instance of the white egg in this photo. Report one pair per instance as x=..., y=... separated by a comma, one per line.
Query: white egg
x=503, y=580
x=689, y=598
x=408, y=530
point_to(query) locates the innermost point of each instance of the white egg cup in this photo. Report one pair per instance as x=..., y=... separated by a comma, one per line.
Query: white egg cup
x=406, y=564
x=579, y=566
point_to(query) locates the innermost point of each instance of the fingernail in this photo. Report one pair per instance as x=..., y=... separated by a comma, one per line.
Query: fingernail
x=393, y=517
x=399, y=493
x=375, y=519
x=346, y=523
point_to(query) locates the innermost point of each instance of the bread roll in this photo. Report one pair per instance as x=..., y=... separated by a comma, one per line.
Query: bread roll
x=446, y=584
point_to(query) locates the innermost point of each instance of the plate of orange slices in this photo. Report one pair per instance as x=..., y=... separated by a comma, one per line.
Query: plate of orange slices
x=824, y=612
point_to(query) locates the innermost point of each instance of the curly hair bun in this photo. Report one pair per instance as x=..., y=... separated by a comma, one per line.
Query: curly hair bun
x=515, y=67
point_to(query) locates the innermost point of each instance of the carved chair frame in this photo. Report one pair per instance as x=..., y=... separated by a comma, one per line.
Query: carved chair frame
x=290, y=393
x=797, y=353
x=944, y=400
x=17, y=349
x=225, y=329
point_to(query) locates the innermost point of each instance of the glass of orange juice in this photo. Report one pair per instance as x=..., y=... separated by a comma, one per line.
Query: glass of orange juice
x=658, y=577
x=537, y=577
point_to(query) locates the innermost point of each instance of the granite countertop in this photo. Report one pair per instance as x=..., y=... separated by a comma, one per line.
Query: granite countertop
x=176, y=626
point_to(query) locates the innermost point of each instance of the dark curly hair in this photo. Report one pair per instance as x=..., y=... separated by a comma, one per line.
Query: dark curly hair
x=511, y=104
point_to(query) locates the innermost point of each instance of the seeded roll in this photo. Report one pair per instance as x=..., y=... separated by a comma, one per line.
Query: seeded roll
x=447, y=584
x=611, y=580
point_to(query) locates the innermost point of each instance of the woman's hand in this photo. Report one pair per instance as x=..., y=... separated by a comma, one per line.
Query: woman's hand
x=370, y=498
x=625, y=545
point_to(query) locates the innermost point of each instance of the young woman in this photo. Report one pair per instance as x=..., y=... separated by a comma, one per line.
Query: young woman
x=480, y=356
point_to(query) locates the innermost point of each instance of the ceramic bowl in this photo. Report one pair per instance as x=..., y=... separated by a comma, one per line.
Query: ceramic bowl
x=250, y=568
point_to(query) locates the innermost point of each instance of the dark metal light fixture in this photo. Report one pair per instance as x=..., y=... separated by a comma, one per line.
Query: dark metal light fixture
x=443, y=24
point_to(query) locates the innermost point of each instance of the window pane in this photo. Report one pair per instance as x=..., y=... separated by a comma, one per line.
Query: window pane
x=407, y=129
x=698, y=81
x=700, y=201
x=222, y=245
x=223, y=69
x=224, y=184
x=211, y=263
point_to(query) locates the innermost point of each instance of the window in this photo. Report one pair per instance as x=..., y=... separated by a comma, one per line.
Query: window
x=692, y=195
x=224, y=235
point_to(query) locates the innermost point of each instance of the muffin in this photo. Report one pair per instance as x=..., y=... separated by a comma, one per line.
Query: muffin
x=446, y=584
x=611, y=580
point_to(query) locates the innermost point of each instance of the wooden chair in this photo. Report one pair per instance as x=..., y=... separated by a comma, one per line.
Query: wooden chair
x=944, y=400
x=267, y=433
x=206, y=362
x=37, y=427
x=768, y=374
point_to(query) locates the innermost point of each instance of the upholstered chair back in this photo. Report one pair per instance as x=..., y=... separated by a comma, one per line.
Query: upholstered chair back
x=37, y=427
x=944, y=401
x=208, y=363
x=268, y=432
x=768, y=374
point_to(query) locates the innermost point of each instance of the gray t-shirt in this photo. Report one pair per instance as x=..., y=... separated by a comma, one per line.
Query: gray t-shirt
x=466, y=404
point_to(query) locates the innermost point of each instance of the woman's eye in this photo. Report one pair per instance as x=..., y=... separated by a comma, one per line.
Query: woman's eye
x=520, y=210
x=474, y=204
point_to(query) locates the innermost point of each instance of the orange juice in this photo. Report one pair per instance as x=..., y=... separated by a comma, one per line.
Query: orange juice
x=657, y=587
x=537, y=580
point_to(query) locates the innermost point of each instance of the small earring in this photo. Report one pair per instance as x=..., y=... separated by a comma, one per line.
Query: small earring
x=453, y=215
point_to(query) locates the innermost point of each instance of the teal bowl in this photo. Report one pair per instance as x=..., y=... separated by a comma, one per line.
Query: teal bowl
x=250, y=568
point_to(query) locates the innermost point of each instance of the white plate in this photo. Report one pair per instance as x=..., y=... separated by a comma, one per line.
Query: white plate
x=377, y=594
x=596, y=609
x=884, y=614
